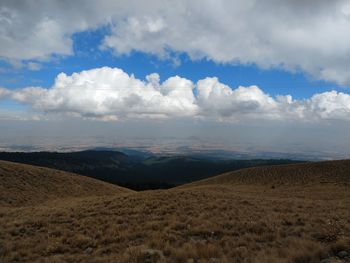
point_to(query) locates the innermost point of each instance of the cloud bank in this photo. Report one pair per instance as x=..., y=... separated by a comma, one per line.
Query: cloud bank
x=311, y=36
x=111, y=94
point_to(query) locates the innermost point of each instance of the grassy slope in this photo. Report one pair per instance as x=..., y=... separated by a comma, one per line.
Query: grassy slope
x=293, y=174
x=235, y=217
x=22, y=184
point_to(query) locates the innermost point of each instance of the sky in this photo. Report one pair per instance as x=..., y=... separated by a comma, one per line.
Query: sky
x=222, y=69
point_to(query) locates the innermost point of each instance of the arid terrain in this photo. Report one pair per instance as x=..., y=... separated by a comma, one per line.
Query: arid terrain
x=291, y=213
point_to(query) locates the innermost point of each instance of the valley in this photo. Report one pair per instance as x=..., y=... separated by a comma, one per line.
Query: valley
x=288, y=213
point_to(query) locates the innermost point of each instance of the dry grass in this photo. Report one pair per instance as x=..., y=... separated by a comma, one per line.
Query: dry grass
x=202, y=223
x=292, y=174
x=22, y=184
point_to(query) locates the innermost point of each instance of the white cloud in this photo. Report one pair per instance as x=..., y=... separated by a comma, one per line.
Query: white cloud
x=39, y=39
x=312, y=36
x=143, y=34
x=218, y=99
x=4, y=92
x=111, y=94
x=33, y=66
x=330, y=105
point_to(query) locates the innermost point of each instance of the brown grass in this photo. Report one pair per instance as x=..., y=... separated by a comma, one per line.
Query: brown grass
x=22, y=184
x=292, y=174
x=219, y=222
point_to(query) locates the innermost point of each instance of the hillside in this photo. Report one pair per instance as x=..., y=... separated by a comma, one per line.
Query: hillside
x=235, y=217
x=135, y=171
x=278, y=175
x=22, y=184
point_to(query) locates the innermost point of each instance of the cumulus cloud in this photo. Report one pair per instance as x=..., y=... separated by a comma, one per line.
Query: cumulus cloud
x=111, y=94
x=217, y=99
x=330, y=105
x=312, y=36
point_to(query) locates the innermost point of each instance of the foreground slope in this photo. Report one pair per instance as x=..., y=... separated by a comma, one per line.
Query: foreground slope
x=22, y=184
x=224, y=220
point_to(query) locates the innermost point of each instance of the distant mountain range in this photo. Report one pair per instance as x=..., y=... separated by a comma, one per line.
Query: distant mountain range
x=136, y=170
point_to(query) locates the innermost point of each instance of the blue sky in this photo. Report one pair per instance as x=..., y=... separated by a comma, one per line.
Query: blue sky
x=89, y=55
x=222, y=63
